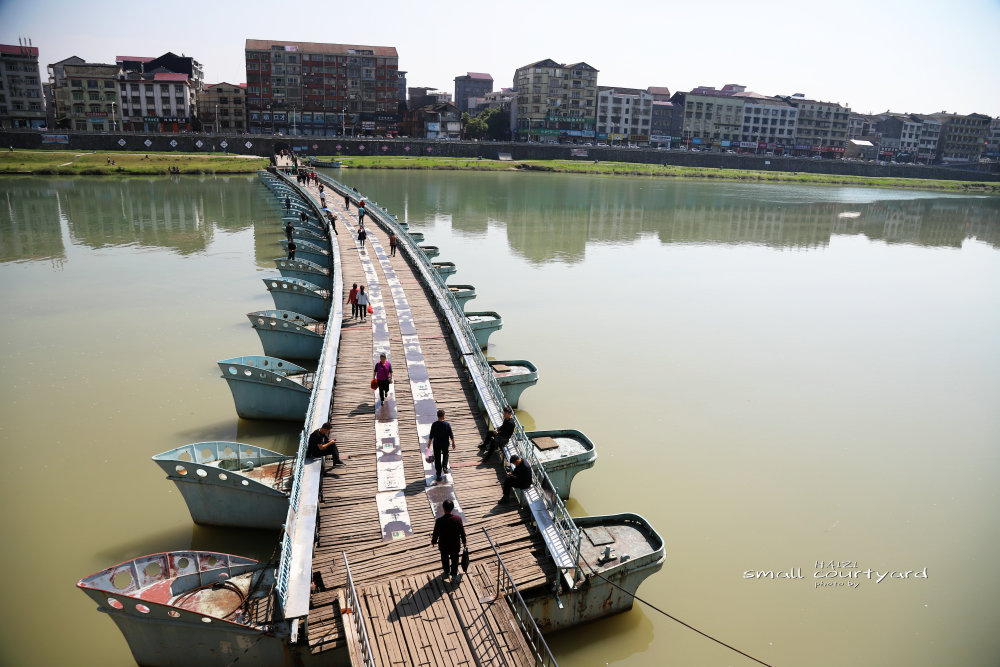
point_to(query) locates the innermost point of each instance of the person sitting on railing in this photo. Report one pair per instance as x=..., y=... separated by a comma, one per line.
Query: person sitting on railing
x=320, y=441
x=500, y=436
x=449, y=535
x=518, y=478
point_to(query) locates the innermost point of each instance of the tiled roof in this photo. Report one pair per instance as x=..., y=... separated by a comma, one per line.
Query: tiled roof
x=479, y=75
x=136, y=59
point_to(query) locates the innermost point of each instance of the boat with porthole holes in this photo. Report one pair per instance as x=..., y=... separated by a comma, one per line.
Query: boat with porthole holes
x=231, y=484
x=288, y=335
x=193, y=608
x=267, y=387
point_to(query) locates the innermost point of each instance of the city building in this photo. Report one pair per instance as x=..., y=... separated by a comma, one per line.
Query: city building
x=661, y=125
x=659, y=93
x=821, y=127
x=471, y=86
x=421, y=96
x=85, y=95
x=168, y=63
x=712, y=118
x=555, y=101
x=322, y=89
x=624, y=115
x=502, y=99
x=160, y=94
x=222, y=107
x=402, y=86
x=768, y=124
x=963, y=138
x=993, y=141
x=435, y=121
x=22, y=103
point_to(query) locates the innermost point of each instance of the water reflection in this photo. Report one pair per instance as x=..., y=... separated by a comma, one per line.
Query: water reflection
x=180, y=213
x=550, y=217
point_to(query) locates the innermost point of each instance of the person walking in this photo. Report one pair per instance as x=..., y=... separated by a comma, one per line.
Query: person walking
x=449, y=536
x=363, y=302
x=439, y=437
x=392, y=244
x=362, y=235
x=288, y=202
x=352, y=299
x=320, y=442
x=361, y=211
x=289, y=228
x=291, y=250
x=501, y=435
x=347, y=203
x=518, y=478
x=383, y=375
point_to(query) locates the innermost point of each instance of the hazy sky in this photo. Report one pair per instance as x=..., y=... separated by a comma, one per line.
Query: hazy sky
x=874, y=55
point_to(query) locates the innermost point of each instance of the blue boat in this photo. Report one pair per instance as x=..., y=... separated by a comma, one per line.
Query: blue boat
x=288, y=335
x=563, y=453
x=310, y=251
x=446, y=269
x=463, y=293
x=483, y=324
x=231, y=483
x=299, y=296
x=514, y=377
x=303, y=269
x=267, y=387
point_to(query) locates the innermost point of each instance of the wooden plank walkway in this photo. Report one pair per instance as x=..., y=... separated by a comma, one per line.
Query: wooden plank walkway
x=348, y=514
x=424, y=620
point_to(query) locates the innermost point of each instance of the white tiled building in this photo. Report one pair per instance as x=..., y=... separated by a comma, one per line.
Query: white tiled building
x=624, y=114
x=767, y=120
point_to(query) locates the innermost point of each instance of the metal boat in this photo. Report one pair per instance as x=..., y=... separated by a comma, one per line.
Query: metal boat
x=267, y=387
x=300, y=296
x=231, y=483
x=192, y=608
x=446, y=269
x=463, y=293
x=483, y=324
x=316, y=254
x=303, y=269
x=288, y=335
x=563, y=453
x=514, y=377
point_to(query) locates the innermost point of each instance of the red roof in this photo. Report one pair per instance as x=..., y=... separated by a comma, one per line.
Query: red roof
x=17, y=50
x=479, y=75
x=169, y=76
x=136, y=59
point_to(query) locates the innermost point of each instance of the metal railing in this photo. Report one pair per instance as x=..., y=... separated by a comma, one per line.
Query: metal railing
x=507, y=589
x=490, y=393
x=319, y=404
x=354, y=609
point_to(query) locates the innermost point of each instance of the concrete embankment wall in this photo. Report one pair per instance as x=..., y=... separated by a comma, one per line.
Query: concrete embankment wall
x=267, y=145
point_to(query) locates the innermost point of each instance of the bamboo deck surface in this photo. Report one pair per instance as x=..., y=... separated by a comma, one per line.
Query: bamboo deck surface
x=348, y=517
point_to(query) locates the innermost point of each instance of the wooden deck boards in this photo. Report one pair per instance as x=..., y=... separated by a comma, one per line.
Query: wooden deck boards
x=348, y=517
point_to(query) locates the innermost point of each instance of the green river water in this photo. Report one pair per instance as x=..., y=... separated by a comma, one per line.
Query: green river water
x=777, y=377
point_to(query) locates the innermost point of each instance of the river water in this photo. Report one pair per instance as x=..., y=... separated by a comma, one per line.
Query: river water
x=775, y=376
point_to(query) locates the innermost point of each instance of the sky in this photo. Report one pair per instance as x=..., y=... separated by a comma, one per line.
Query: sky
x=917, y=56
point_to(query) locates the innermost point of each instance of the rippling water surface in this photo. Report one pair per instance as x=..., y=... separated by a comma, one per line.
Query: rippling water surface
x=776, y=377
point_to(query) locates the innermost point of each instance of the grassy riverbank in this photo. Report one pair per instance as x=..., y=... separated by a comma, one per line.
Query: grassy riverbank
x=80, y=163
x=667, y=171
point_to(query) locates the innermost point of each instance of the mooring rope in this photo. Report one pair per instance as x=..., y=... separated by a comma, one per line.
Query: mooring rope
x=674, y=618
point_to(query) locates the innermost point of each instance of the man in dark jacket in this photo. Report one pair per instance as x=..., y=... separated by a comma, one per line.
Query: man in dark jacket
x=320, y=442
x=449, y=535
x=519, y=478
x=501, y=435
x=440, y=435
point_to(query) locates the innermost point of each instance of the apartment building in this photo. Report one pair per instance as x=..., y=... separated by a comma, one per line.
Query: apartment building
x=821, y=127
x=85, y=95
x=768, y=123
x=712, y=118
x=624, y=115
x=555, y=101
x=321, y=89
x=471, y=86
x=21, y=101
x=963, y=138
x=222, y=107
x=661, y=125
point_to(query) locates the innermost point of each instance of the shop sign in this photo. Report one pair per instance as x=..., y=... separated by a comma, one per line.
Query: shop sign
x=749, y=144
x=151, y=119
x=55, y=138
x=174, y=119
x=97, y=114
x=696, y=140
x=762, y=144
x=367, y=125
x=725, y=143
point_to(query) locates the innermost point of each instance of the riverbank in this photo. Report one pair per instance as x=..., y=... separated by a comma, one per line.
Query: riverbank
x=81, y=163
x=666, y=171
